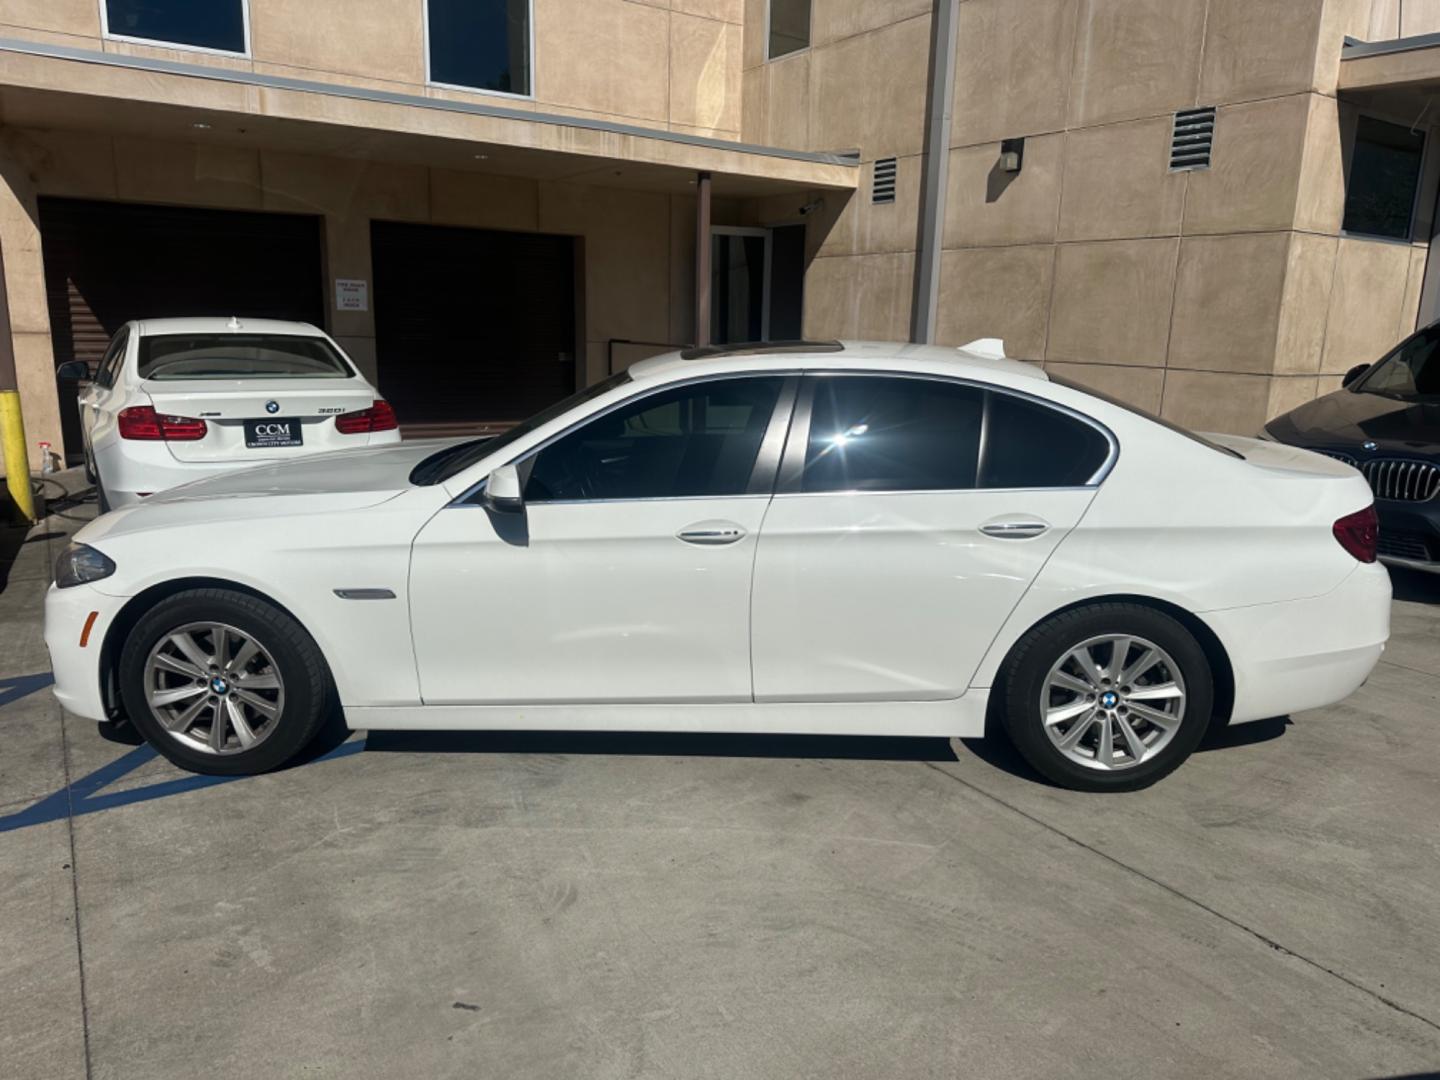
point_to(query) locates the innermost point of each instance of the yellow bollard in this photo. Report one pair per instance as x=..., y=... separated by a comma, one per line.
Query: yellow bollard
x=17, y=459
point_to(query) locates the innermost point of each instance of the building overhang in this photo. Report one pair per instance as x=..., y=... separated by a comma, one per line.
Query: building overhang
x=1400, y=77
x=49, y=86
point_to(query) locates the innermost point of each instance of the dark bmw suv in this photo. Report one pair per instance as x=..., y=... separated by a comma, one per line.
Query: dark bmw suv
x=1385, y=421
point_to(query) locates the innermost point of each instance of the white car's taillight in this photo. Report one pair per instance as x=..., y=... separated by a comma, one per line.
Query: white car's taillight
x=144, y=423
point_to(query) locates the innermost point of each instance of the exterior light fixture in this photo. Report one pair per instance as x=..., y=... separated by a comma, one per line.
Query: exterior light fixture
x=1012, y=155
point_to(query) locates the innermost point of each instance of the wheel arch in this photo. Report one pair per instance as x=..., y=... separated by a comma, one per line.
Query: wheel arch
x=136, y=607
x=1221, y=669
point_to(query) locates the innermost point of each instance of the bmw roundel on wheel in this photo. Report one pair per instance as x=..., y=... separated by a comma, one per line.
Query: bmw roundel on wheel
x=177, y=400
x=857, y=538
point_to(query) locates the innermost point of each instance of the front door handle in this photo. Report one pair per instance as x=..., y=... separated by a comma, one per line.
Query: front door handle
x=1015, y=528
x=711, y=533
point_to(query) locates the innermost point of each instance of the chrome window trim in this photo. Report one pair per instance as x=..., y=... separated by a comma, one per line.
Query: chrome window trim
x=784, y=403
x=800, y=435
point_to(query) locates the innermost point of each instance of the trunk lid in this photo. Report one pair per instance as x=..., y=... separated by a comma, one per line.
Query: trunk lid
x=301, y=409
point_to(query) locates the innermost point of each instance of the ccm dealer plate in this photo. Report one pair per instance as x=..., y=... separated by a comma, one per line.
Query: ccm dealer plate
x=273, y=431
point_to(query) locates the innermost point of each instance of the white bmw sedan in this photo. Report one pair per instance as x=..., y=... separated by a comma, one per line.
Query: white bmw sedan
x=176, y=400
x=861, y=539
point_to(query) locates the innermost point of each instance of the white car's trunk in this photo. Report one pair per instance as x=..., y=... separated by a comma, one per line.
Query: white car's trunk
x=302, y=411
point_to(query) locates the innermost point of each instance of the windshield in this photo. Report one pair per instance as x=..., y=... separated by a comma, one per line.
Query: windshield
x=1186, y=432
x=1410, y=373
x=240, y=356
x=442, y=465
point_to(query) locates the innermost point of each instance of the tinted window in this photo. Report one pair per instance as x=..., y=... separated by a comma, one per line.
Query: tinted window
x=110, y=363
x=1411, y=371
x=210, y=24
x=875, y=434
x=789, y=26
x=1028, y=445
x=694, y=441
x=484, y=44
x=1384, y=177
x=239, y=356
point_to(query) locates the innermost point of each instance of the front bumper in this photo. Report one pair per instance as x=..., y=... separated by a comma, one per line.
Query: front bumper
x=1410, y=534
x=76, y=667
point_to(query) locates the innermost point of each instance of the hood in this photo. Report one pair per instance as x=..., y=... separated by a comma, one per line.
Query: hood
x=1347, y=419
x=319, y=484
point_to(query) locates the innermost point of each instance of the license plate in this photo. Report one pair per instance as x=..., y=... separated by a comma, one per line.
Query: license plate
x=273, y=431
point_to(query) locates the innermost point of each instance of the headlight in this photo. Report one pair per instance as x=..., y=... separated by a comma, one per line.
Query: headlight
x=80, y=563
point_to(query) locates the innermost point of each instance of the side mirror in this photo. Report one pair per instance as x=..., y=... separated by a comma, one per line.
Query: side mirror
x=1354, y=373
x=502, y=491
x=74, y=369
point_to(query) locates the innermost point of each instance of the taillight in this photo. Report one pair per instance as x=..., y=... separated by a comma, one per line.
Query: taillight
x=143, y=422
x=1359, y=533
x=379, y=417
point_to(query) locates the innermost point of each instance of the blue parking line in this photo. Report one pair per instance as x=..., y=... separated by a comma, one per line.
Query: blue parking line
x=84, y=796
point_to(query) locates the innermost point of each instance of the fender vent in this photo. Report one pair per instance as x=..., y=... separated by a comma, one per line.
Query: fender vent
x=882, y=187
x=1191, y=139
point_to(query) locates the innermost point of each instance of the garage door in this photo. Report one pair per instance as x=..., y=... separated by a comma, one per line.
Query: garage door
x=106, y=263
x=472, y=326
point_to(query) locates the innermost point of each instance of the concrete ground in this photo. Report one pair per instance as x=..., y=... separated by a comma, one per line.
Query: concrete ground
x=543, y=906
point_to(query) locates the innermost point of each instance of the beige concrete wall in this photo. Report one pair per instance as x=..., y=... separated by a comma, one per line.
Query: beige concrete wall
x=861, y=85
x=669, y=64
x=638, y=247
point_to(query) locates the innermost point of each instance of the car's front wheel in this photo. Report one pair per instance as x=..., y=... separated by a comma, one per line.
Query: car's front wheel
x=1110, y=697
x=222, y=682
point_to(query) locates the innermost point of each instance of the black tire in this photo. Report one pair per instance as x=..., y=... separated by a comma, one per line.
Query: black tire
x=1024, y=679
x=308, y=696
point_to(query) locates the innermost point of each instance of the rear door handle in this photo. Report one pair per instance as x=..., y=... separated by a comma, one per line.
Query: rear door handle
x=711, y=533
x=1015, y=528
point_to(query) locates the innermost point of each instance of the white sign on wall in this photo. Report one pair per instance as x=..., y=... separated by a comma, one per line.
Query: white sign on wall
x=352, y=294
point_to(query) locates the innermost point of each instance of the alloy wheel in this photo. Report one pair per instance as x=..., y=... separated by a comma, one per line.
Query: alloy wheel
x=214, y=688
x=1113, y=702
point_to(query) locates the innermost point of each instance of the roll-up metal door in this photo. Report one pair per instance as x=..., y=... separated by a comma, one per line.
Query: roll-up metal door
x=473, y=327
x=107, y=263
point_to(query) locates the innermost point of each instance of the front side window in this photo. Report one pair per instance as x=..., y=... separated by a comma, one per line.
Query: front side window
x=240, y=356
x=480, y=44
x=1384, y=178
x=789, y=27
x=204, y=24
x=694, y=441
x=870, y=433
x=1410, y=372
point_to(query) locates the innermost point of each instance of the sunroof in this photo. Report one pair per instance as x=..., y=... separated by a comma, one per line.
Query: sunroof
x=752, y=348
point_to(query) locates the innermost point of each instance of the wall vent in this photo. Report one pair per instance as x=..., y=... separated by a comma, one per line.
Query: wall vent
x=882, y=187
x=1191, y=139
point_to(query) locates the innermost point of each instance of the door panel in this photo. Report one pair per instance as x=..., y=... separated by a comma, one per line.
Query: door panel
x=600, y=602
x=892, y=596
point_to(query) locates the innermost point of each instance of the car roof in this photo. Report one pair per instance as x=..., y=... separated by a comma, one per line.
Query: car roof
x=220, y=324
x=983, y=359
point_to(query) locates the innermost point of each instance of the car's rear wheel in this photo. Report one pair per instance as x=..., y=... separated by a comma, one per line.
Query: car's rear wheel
x=222, y=682
x=1110, y=697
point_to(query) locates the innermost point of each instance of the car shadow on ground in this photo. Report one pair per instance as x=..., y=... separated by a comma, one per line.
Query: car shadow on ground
x=660, y=744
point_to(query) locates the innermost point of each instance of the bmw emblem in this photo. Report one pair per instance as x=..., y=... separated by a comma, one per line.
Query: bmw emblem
x=272, y=406
x=1371, y=445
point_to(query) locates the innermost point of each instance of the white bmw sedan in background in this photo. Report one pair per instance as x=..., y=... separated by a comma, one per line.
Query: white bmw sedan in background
x=861, y=539
x=176, y=400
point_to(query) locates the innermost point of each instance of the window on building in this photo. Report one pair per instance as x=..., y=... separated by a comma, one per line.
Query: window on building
x=870, y=433
x=480, y=44
x=1384, y=179
x=202, y=24
x=789, y=27
x=1028, y=445
x=698, y=441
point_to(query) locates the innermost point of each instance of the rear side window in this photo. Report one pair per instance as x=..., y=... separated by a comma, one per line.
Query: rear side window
x=870, y=433
x=696, y=441
x=110, y=364
x=1029, y=445
x=240, y=356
